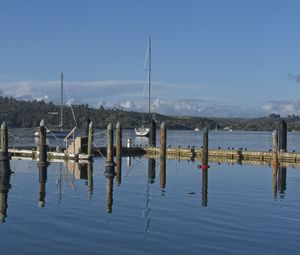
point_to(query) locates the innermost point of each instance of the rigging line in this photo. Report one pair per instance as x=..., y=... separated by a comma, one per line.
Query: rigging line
x=98, y=150
x=15, y=137
x=73, y=114
x=131, y=167
x=59, y=139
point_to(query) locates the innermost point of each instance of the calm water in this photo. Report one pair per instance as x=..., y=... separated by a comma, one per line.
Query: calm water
x=229, y=209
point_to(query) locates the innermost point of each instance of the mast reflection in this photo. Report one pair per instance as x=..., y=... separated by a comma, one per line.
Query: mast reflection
x=4, y=188
x=151, y=180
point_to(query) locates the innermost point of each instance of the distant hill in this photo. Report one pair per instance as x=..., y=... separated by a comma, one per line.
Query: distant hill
x=28, y=114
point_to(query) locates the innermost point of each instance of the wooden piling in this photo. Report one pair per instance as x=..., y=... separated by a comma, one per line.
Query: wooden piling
x=118, y=152
x=42, y=144
x=163, y=140
x=163, y=150
x=275, y=147
x=282, y=136
x=152, y=134
x=90, y=141
x=109, y=148
x=88, y=121
x=4, y=188
x=4, y=156
x=205, y=148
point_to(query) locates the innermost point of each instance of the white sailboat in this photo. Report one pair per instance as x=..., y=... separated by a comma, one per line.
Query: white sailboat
x=59, y=132
x=144, y=130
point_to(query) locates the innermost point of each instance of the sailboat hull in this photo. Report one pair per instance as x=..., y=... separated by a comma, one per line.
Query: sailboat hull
x=142, y=131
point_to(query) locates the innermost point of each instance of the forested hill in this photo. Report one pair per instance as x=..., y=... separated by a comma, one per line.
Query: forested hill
x=26, y=114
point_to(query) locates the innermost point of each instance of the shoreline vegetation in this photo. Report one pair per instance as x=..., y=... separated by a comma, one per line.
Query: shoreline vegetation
x=28, y=114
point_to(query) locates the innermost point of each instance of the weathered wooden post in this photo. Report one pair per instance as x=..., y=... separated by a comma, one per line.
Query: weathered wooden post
x=118, y=152
x=90, y=141
x=205, y=149
x=4, y=156
x=42, y=145
x=275, y=147
x=152, y=134
x=88, y=121
x=163, y=140
x=110, y=149
x=5, y=185
x=163, y=152
x=282, y=136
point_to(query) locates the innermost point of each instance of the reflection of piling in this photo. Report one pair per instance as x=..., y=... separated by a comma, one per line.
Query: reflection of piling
x=282, y=179
x=42, y=145
x=4, y=188
x=118, y=152
x=282, y=136
x=152, y=134
x=274, y=178
x=42, y=184
x=90, y=182
x=205, y=148
x=275, y=147
x=204, y=187
x=163, y=149
x=90, y=140
x=151, y=170
x=109, y=192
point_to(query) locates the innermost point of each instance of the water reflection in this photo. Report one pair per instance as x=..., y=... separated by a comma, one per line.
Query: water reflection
x=109, y=174
x=4, y=188
x=150, y=181
x=119, y=169
x=42, y=184
x=151, y=170
x=81, y=171
x=279, y=180
x=162, y=173
x=204, y=187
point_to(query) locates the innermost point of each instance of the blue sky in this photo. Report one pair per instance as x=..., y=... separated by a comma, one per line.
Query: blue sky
x=206, y=55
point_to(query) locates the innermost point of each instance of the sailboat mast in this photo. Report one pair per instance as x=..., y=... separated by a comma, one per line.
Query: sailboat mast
x=149, y=76
x=61, y=100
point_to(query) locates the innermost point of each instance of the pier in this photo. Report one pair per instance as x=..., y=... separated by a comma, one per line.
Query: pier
x=83, y=149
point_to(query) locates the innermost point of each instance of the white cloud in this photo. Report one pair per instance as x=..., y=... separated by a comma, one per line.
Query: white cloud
x=127, y=94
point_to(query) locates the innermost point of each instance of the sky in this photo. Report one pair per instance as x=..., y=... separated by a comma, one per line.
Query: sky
x=209, y=57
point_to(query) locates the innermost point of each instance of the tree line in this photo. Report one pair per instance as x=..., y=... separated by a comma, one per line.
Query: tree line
x=28, y=114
